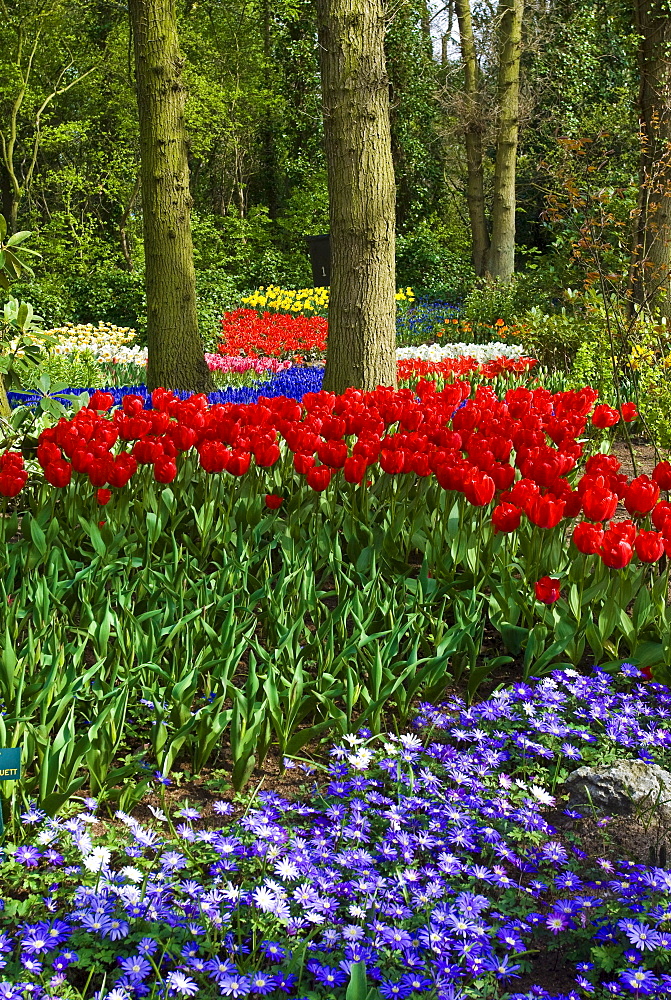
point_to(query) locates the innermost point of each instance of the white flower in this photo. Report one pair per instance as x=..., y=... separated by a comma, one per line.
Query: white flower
x=83, y=842
x=46, y=836
x=132, y=874
x=542, y=796
x=481, y=353
x=287, y=869
x=264, y=899
x=361, y=760
x=98, y=859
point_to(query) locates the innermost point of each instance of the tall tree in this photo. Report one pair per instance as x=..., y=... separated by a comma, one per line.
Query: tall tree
x=494, y=247
x=650, y=271
x=473, y=124
x=175, y=348
x=40, y=64
x=355, y=96
x=501, y=259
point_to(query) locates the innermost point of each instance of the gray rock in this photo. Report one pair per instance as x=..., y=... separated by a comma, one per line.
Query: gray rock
x=629, y=787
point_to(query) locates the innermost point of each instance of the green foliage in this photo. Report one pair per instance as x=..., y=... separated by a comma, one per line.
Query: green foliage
x=650, y=361
x=111, y=294
x=433, y=257
x=555, y=338
x=227, y=631
x=80, y=370
x=593, y=365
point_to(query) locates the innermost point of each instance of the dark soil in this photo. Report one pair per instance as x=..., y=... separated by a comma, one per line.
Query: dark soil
x=644, y=456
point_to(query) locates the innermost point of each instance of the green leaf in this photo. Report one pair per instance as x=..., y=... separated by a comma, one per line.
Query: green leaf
x=514, y=637
x=358, y=983
x=17, y=238
x=38, y=537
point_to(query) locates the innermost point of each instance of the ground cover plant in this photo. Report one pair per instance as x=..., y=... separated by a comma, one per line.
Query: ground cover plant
x=427, y=864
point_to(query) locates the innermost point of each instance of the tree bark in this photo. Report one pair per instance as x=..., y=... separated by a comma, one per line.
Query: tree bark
x=175, y=349
x=270, y=126
x=501, y=261
x=473, y=126
x=651, y=253
x=362, y=308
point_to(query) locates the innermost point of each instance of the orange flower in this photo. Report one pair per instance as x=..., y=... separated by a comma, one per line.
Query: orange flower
x=499, y=322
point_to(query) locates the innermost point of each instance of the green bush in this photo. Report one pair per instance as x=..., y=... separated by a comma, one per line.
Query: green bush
x=434, y=261
x=110, y=294
x=555, y=338
x=78, y=371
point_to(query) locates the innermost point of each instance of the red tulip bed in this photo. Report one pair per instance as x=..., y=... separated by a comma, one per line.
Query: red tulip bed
x=193, y=591
x=511, y=473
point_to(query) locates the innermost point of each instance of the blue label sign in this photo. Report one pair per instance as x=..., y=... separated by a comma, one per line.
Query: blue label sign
x=10, y=764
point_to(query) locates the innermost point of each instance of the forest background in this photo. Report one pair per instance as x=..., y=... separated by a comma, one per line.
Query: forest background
x=69, y=148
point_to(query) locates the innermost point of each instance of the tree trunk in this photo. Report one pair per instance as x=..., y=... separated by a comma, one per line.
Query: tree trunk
x=473, y=126
x=651, y=253
x=175, y=348
x=501, y=262
x=6, y=197
x=362, y=308
x=270, y=127
x=5, y=408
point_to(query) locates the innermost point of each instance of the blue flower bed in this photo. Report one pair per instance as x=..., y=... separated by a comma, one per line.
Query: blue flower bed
x=432, y=858
x=418, y=325
x=293, y=382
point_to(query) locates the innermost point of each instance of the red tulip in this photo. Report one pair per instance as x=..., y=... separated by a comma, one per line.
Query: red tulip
x=303, y=462
x=661, y=514
x=391, y=462
x=546, y=512
x=605, y=416
x=147, y=451
x=629, y=412
x=615, y=551
x=121, y=470
x=641, y=496
x=479, y=489
x=101, y=401
x=649, y=546
x=355, y=468
x=599, y=504
x=132, y=404
x=547, y=590
x=184, y=437
x=12, y=482
x=214, y=456
x=661, y=475
x=503, y=476
x=506, y=517
x=103, y=496
x=48, y=452
x=58, y=473
x=273, y=501
x=165, y=470
x=266, y=454
x=587, y=537
x=98, y=469
x=318, y=477
x=333, y=453
x=82, y=459
x=625, y=530
x=239, y=461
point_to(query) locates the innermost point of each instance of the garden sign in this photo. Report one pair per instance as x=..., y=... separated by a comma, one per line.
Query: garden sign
x=10, y=770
